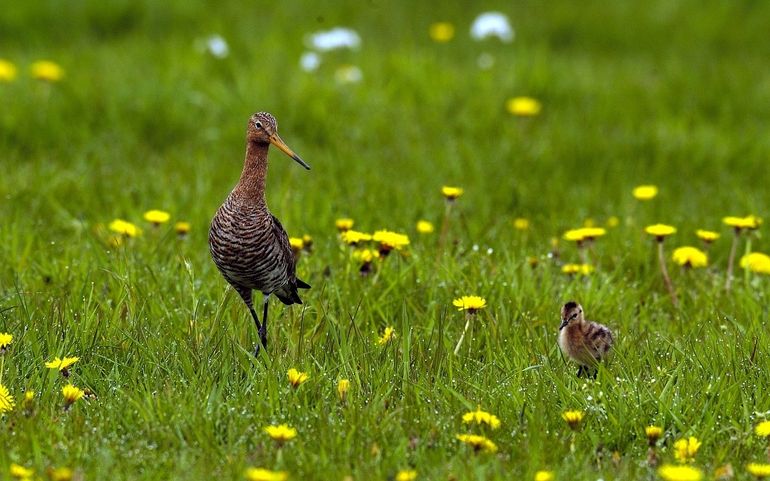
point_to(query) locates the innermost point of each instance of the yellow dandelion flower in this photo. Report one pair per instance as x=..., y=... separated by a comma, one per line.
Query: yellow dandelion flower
x=262, y=474
x=29, y=397
x=594, y=232
x=470, y=303
x=762, y=429
x=690, y=257
x=707, y=235
x=756, y=262
x=125, y=228
x=6, y=400
x=157, y=217
x=613, y=221
x=366, y=255
x=573, y=418
x=182, y=228
x=343, y=386
x=406, y=475
x=8, y=71
x=645, y=192
x=520, y=223
x=582, y=269
x=544, y=476
x=759, y=470
x=671, y=472
x=5, y=341
x=575, y=235
x=72, y=394
x=481, y=417
x=296, y=377
x=387, y=335
x=660, y=231
x=352, y=237
x=281, y=433
x=62, y=364
x=60, y=474
x=523, y=106
x=390, y=240
x=479, y=443
x=442, y=32
x=653, y=433
x=20, y=472
x=307, y=242
x=685, y=449
x=344, y=224
x=748, y=222
x=424, y=227
x=584, y=233
x=47, y=71
x=451, y=193
x=296, y=243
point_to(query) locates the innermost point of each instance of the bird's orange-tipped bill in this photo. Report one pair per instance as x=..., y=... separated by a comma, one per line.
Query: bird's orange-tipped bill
x=275, y=140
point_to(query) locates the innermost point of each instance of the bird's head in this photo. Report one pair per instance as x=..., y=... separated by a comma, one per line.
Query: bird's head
x=571, y=312
x=263, y=129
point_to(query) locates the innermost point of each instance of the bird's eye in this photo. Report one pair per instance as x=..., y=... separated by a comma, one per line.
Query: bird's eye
x=258, y=124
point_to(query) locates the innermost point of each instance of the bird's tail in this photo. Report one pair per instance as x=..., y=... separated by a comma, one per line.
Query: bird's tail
x=288, y=295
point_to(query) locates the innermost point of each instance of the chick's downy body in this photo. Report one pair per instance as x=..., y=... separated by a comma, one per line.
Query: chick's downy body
x=583, y=341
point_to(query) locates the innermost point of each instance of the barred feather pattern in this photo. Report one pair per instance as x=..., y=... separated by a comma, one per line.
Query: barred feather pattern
x=587, y=343
x=252, y=251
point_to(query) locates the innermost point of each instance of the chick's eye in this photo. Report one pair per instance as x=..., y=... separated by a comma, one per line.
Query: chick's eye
x=258, y=124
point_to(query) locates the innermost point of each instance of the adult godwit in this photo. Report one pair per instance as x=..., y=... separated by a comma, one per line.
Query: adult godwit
x=248, y=244
x=585, y=342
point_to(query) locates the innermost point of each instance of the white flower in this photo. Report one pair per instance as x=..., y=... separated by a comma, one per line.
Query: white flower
x=335, y=38
x=217, y=46
x=492, y=24
x=310, y=61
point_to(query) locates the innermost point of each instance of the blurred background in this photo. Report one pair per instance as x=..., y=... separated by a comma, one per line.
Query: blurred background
x=150, y=106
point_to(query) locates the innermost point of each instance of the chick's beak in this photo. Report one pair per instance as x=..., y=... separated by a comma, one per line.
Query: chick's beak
x=564, y=323
x=275, y=140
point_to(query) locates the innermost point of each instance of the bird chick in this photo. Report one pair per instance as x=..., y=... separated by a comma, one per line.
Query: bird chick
x=585, y=342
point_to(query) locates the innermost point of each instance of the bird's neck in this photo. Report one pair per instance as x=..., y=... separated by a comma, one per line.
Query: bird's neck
x=251, y=186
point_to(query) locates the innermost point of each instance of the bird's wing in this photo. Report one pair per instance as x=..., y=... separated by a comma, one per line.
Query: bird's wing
x=283, y=241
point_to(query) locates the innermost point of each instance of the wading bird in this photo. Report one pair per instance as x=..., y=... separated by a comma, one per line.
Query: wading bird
x=585, y=342
x=248, y=244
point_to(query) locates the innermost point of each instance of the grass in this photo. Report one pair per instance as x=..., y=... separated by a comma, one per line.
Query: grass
x=668, y=93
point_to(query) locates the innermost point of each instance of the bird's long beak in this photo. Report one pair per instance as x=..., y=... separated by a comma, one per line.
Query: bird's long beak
x=564, y=323
x=275, y=140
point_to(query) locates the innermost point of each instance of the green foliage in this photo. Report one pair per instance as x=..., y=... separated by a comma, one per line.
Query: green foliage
x=668, y=93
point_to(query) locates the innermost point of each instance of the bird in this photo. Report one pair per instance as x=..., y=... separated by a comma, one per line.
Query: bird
x=247, y=243
x=583, y=341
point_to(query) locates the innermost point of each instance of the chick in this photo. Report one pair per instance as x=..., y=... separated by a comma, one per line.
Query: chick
x=585, y=342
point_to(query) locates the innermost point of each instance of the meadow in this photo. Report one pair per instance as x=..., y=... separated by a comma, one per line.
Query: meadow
x=148, y=115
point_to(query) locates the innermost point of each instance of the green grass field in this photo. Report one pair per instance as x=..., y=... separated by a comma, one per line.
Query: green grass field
x=670, y=93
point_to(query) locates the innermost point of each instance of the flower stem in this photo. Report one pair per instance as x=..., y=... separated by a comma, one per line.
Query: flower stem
x=652, y=457
x=467, y=324
x=444, y=229
x=747, y=252
x=731, y=260
x=666, y=278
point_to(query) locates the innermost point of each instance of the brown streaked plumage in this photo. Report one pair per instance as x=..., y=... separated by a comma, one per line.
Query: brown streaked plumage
x=248, y=244
x=585, y=342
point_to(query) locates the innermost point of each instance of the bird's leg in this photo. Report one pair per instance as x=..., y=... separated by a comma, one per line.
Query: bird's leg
x=580, y=371
x=263, y=328
x=596, y=372
x=259, y=329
